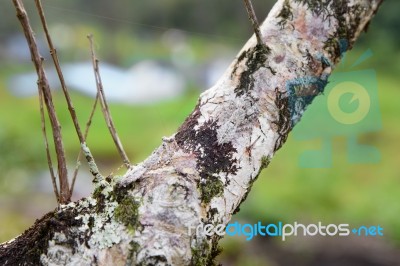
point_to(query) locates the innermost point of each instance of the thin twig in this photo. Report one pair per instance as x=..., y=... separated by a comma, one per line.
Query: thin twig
x=45, y=88
x=78, y=160
x=53, y=53
x=104, y=106
x=116, y=171
x=253, y=20
x=46, y=144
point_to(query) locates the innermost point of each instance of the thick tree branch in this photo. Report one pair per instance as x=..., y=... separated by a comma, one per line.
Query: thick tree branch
x=202, y=173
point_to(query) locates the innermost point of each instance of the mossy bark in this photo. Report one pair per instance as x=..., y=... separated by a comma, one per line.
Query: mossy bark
x=202, y=173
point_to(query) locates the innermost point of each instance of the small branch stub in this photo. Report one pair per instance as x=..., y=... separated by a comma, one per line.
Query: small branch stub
x=253, y=19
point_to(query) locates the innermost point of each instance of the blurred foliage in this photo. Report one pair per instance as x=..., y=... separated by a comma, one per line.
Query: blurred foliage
x=220, y=18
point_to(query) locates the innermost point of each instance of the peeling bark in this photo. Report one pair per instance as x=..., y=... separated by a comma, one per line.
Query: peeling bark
x=202, y=173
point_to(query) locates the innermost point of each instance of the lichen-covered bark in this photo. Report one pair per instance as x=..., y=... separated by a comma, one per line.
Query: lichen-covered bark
x=202, y=173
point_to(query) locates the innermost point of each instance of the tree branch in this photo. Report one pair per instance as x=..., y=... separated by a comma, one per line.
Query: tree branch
x=46, y=144
x=204, y=172
x=56, y=62
x=71, y=108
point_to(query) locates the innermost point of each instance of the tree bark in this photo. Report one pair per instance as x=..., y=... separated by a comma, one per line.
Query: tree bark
x=202, y=173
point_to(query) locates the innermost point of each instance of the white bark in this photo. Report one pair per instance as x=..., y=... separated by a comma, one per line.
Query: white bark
x=202, y=173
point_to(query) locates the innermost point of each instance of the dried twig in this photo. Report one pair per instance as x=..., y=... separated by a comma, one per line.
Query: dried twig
x=253, y=20
x=82, y=138
x=53, y=53
x=104, y=106
x=45, y=88
x=46, y=144
x=71, y=108
x=78, y=160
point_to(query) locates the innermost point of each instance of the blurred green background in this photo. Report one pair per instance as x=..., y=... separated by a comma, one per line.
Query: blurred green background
x=128, y=32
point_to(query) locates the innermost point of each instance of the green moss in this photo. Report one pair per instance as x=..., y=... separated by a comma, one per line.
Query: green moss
x=198, y=259
x=212, y=187
x=215, y=251
x=204, y=254
x=97, y=192
x=120, y=192
x=265, y=160
x=199, y=254
x=133, y=250
x=100, y=199
x=257, y=57
x=127, y=212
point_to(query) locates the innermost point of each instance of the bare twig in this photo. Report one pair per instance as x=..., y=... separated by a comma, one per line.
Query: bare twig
x=46, y=144
x=78, y=160
x=45, y=88
x=53, y=53
x=82, y=138
x=104, y=106
x=253, y=20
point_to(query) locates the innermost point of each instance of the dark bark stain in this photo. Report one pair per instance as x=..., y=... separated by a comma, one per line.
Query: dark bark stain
x=285, y=14
x=155, y=260
x=212, y=157
x=27, y=248
x=256, y=57
x=205, y=252
x=346, y=29
x=283, y=121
